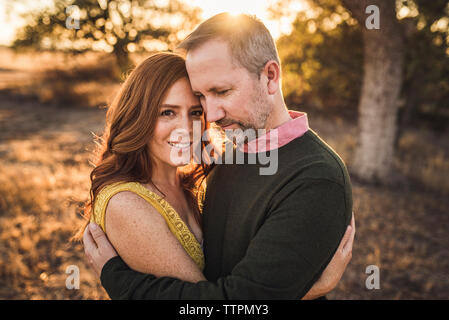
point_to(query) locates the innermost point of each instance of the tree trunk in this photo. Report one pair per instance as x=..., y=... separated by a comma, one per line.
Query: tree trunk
x=382, y=81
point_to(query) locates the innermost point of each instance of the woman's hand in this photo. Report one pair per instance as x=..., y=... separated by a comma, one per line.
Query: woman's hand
x=336, y=267
x=97, y=247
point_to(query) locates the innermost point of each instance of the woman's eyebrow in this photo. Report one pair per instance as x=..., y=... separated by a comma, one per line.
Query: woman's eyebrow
x=174, y=106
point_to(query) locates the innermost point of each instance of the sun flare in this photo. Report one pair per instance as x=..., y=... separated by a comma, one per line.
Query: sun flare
x=259, y=8
x=235, y=7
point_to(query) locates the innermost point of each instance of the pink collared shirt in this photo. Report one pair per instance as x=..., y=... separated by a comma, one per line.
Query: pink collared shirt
x=280, y=136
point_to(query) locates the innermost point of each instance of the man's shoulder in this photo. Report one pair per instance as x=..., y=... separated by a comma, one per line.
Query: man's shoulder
x=312, y=158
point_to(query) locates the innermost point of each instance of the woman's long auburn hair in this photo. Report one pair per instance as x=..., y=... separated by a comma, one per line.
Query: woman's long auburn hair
x=123, y=153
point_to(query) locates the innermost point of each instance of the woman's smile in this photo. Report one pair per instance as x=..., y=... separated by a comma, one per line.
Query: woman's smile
x=180, y=145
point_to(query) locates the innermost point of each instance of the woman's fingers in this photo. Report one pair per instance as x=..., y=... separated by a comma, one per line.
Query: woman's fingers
x=97, y=234
x=353, y=225
x=89, y=245
x=88, y=241
x=345, y=239
x=347, y=248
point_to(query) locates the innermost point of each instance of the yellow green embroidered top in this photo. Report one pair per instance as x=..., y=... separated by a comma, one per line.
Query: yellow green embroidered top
x=176, y=225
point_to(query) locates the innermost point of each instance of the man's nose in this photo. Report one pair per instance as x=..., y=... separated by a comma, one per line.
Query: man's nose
x=214, y=110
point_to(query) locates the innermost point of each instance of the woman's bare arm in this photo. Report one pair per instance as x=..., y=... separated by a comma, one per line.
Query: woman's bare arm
x=142, y=238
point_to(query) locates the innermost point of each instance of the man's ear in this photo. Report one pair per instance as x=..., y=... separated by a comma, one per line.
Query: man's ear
x=272, y=71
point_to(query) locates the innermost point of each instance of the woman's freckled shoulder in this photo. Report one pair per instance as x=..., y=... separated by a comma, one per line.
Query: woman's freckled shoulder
x=127, y=204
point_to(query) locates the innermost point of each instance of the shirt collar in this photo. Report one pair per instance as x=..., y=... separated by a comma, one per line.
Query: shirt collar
x=279, y=136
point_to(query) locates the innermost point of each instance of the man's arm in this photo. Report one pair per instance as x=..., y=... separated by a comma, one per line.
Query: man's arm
x=284, y=259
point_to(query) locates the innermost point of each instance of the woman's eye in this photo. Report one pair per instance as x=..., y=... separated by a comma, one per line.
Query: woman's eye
x=167, y=113
x=197, y=113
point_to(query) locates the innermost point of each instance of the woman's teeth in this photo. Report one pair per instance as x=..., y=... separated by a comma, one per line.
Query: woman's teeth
x=179, y=145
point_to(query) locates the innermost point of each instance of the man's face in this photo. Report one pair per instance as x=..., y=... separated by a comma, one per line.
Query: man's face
x=231, y=96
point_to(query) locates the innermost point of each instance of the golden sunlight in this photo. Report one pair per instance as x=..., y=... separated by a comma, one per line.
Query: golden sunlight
x=8, y=24
x=255, y=7
x=210, y=8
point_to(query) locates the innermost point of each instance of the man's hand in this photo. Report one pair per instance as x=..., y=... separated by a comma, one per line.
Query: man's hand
x=97, y=247
x=336, y=267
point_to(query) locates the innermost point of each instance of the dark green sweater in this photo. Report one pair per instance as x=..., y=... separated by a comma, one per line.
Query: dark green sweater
x=265, y=236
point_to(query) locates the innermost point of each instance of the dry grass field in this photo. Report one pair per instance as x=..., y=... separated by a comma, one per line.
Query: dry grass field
x=46, y=123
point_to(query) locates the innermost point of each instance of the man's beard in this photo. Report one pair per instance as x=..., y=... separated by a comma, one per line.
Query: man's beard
x=261, y=109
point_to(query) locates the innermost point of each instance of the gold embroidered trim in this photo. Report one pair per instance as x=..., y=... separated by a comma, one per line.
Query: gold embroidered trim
x=174, y=221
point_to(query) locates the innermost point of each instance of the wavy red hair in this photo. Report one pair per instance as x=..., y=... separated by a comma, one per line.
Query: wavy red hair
x=123, y=152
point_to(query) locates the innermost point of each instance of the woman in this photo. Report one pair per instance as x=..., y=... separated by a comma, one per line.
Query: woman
x=146, y=202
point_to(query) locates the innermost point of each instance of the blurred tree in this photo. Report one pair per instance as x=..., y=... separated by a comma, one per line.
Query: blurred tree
x=426, y=73
x=120, y=26
x=332, y=61
x=322, y=60
x=382, y=82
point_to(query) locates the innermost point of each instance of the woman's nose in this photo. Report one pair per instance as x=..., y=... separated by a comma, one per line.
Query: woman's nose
x=183, y=129
x=180, y=135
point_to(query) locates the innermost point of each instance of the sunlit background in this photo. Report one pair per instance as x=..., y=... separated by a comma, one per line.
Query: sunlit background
x=56, y=83
x=10, y=12
x=256, y=7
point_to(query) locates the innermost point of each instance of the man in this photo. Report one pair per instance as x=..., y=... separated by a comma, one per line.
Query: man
x=266, y=236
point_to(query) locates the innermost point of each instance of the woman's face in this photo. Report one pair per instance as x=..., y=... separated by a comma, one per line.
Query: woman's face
x=172, y=142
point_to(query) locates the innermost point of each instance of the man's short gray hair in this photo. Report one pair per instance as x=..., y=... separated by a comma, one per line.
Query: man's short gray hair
x=251, y=44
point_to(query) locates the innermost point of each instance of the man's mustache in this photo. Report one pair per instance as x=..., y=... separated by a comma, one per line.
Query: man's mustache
x=227, y=122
